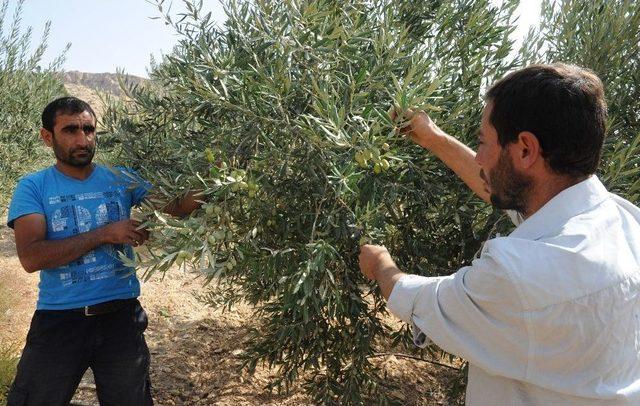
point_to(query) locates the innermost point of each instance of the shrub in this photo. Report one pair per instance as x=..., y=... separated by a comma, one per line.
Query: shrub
x=8, y=351
x=279, y=118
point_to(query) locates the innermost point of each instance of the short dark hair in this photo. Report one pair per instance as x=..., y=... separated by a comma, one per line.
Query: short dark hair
x=562, y=105
x=63, y=105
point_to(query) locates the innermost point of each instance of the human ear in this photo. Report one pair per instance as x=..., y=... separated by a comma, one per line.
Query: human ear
x=528, y=149
x=47, y=137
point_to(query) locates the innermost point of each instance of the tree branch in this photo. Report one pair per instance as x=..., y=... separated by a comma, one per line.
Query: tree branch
x=383, y=354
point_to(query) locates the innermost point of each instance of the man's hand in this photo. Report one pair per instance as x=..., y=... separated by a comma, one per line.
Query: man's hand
x=372, y=258
x=183, y=206
x=421, y=129
x=125, y=232
x=376, y=264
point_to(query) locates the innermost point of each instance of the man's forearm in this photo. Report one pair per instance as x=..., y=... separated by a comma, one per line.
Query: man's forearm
x=54, y=253
x=387, y=274
x=461, y=159
x=387, y=279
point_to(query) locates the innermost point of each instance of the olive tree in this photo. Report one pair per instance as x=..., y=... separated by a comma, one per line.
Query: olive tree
x=280, y=121
x=25, y=88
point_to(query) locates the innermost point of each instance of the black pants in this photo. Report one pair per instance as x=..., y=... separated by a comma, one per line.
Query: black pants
x=61, y=345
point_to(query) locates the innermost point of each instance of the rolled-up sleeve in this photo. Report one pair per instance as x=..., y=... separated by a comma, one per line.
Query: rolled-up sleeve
x=475, y=313
x=404, y=294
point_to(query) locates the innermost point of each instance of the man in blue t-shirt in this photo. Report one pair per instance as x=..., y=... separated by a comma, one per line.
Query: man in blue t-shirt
x=71, y=222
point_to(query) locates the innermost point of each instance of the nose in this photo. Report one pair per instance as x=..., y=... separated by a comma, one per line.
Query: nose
x=82, y=143
x=82, y=139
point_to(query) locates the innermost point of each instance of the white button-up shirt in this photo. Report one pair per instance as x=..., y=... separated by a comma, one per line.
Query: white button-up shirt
x=549, y=315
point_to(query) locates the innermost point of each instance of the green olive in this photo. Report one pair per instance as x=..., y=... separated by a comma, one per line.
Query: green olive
x=208, y=153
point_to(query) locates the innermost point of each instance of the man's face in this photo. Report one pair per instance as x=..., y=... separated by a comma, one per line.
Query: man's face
x=74, y=138
x=507, y=186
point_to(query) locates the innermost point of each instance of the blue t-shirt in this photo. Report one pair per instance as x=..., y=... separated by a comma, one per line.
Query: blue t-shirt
x=70, y=207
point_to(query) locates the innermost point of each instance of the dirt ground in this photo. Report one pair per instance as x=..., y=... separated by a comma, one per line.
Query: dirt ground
x=195, y=349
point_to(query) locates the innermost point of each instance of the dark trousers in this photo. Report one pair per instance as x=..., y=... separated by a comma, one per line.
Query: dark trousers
x=61, y=345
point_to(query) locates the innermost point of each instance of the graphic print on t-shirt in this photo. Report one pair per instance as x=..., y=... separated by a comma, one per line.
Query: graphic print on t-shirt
x=76, y=218
x=110, y=212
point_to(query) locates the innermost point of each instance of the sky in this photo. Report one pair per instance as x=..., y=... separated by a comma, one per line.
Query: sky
x=106, y=35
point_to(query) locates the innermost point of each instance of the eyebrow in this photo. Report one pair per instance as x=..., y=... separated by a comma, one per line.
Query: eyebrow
x=75, y=127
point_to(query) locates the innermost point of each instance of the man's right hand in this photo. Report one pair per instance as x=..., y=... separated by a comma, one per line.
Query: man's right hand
x=421, y=129
x=125, y=232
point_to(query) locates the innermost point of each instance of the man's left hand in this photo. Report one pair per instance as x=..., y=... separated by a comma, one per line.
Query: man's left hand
x=372, y=258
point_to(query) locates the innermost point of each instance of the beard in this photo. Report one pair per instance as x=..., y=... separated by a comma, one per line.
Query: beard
x=79, y=157
x=509, y=188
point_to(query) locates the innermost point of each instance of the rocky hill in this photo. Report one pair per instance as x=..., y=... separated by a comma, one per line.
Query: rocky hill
x=87, y=86
x=104, y=82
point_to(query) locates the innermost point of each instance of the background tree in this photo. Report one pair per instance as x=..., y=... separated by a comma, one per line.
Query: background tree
x=25, y=89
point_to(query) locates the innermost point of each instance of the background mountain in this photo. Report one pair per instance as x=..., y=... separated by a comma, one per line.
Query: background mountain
x=87, y=86
x=103, y=82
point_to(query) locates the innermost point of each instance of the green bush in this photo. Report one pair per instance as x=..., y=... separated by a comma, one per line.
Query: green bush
x=8, y=363
x=25, y=88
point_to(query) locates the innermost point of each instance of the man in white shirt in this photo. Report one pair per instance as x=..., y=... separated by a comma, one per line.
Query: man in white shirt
x=551, y=313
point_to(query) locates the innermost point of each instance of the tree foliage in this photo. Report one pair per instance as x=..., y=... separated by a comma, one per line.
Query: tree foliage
x=280, y=118
x=25, y=88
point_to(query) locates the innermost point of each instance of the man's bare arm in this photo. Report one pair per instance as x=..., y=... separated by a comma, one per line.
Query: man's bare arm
x=36, y=252
x=457, y=156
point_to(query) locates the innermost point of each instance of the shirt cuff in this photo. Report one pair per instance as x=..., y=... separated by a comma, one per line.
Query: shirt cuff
x=403, y=296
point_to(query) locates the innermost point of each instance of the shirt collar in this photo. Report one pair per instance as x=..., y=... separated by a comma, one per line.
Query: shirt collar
x=563, y=206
